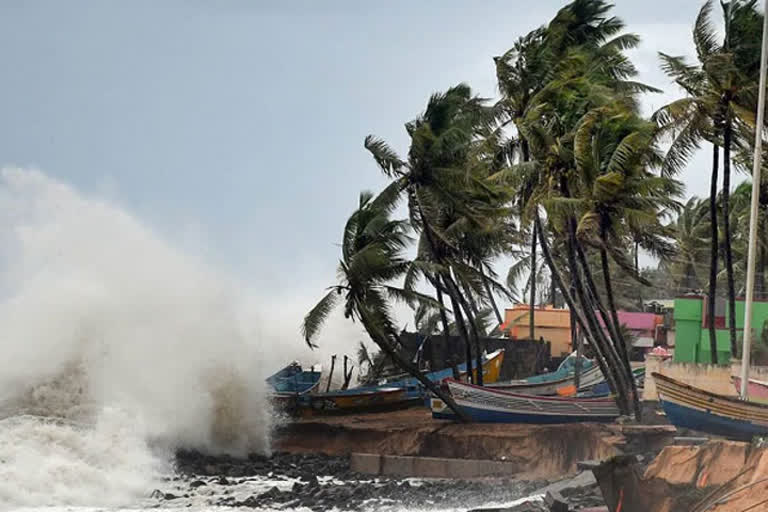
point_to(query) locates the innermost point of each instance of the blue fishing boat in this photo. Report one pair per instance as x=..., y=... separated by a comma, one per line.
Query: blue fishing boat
x=486, y=405
x=690, y=407
x=551, y=383
x=415, y=390
x=294, y=380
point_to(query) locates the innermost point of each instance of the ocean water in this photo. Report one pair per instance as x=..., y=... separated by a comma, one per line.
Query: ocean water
x=118, y=349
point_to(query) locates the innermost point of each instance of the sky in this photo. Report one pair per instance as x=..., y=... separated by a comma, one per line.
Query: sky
x=235, y=128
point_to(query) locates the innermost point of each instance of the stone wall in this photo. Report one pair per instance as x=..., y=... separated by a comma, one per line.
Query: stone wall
x=714, y=378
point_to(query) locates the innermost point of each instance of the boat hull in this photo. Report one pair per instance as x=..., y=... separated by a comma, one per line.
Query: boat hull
x=493, y=406
x=695, y=419
x=697, y=409
x=391, y=396
x=589, y=378
x=350, y=403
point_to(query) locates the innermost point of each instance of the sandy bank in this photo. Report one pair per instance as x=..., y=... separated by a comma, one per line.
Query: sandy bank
x=539, y=451
x=719, y=476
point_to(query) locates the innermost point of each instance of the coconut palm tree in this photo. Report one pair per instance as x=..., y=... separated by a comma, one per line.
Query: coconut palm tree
x=371, y=258
x=690, y=230
x=718, y=108
x=449, y=197
x=619, y=201
x=585, y=69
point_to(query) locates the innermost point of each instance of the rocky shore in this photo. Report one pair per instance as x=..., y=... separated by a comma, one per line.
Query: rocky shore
x=321, y=482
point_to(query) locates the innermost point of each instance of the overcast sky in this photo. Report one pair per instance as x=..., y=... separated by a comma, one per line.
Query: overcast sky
x=235, y=128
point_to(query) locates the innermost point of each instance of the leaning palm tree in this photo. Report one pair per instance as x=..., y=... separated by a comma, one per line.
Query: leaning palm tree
x=586, y=68
x=719, y=107
x=447, y=198
x=619, y=199
x=371, y=258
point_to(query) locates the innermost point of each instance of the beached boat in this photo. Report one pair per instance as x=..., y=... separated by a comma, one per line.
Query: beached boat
x=348, y=401
x=294, y=380
x=487, y=405
x=601, y=388
x=757, y=390
x=589, y=378
x=690, y=407
x=491, y=370
x=388, y=396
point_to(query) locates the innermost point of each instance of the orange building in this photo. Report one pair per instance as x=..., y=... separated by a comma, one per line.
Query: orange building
x=554, y=325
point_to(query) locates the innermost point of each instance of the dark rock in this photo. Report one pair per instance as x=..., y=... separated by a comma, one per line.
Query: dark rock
x=197, y=483
x=555, y=501
x=222, y=480
x=168, y=496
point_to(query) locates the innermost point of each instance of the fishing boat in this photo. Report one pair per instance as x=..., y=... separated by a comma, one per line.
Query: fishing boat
x=294, y=380
x=487, y=405
x=757, y=390
x=358, y=400
x=541, y=386
x=601, y=388
x=690, y=407
x=387, y=396
x=491, y=370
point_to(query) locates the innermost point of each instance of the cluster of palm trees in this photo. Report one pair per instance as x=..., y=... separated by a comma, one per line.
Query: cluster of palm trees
x=562, y=166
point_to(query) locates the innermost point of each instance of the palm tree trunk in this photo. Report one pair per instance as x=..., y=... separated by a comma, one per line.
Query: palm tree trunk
x=713, y=253
x=553, y=293
x=384, y=344
x=617, y=327
x=727, y=232
x=492, y=300
x=581, y=320
x=459, y=318
x=448, y=353
x=330, y=375
x=450, y=289
x=618, y=348
x=531, y=319
x=586, y=296
x=576, y=345
x=472, y=315
x=590, y=302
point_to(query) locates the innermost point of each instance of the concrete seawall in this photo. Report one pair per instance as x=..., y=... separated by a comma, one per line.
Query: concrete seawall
x=429, y=467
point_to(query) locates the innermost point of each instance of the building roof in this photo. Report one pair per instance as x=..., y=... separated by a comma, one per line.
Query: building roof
x=634, y=321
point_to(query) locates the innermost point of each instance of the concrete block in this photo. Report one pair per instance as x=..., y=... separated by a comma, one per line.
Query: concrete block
x=366, y=463
x=690, y=441
x=429, y=467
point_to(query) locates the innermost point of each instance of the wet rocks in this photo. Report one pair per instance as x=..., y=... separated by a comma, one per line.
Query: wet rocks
x=290, y=465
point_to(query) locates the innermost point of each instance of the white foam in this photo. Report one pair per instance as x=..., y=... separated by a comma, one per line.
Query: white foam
x=105, y=324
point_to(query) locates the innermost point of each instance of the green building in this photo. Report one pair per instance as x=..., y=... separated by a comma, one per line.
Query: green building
x=692, y=333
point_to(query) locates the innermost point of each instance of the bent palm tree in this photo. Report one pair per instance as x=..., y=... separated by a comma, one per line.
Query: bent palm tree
x=371, y=257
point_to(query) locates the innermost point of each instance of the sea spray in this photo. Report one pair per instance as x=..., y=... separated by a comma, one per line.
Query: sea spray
x=117, y=350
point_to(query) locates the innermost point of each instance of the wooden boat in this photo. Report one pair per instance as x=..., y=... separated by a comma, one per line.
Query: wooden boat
x=690, y=407
x=487, y=405
x=352, y=401
x=293, y=379
x=757, y=390
x=491, y=370
x=589, y=378
x=388, y=396
x=601, y=388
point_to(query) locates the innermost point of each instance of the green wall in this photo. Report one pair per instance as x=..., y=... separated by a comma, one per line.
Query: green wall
x=692, y=340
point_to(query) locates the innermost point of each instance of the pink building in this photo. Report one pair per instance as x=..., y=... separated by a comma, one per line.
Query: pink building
x=643, y=326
